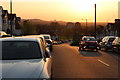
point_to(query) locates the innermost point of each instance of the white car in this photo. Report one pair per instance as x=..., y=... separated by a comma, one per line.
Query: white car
x=48, y=40
x=38, y=36
x=106, y=42
x=25, y=58
x=3, y=34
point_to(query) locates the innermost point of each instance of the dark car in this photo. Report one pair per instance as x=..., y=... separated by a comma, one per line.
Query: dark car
x=88, y=42
x=74, y=43
x=106, y=43
x=116, y=45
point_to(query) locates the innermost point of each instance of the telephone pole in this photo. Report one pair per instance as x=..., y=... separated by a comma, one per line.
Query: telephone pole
x=95, y=20
x=10, y=6
x=10, y=16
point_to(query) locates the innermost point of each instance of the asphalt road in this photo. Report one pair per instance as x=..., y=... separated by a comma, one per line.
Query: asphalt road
x=68, y=62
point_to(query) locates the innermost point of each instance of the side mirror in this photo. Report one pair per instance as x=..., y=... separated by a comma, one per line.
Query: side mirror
x=45, y=58
x=47, y=53
x=48, y=45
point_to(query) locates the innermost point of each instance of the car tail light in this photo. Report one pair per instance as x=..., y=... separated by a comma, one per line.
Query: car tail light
x=84, y=44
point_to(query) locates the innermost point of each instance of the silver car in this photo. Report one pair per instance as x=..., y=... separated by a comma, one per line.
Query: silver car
x=25, y=58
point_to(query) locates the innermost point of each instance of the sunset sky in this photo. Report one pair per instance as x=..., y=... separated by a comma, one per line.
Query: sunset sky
x=64, y=10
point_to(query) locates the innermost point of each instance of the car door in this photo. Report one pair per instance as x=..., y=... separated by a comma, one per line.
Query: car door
x=47, y=65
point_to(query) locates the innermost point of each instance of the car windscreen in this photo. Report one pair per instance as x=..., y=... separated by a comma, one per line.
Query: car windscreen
x=46, y=37
x=89, y=39
x=14, y=50
x=111, y=39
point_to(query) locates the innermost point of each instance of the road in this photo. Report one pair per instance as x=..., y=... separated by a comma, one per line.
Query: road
x=68, y=62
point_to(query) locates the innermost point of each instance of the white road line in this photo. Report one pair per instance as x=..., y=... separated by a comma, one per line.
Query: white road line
x=101, y=52
x=103, y=63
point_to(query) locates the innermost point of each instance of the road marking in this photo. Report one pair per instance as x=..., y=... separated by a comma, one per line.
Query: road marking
x=101, y=52
x=103, y=63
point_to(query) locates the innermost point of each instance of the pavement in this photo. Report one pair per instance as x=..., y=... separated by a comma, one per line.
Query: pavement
x=68, y=62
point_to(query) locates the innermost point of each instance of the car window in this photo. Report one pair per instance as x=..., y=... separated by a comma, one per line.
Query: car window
x=89, y=39
x=20, y=50
x=111, y=39
x=46, y=37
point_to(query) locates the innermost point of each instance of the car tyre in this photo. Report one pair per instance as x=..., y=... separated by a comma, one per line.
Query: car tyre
x=96, y=50
x=106, y=49
x=82, y=49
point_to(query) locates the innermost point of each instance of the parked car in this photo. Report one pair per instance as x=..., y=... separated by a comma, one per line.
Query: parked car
x=74, y=43
x=55, y=42
x=39, y=36
x=4, y=34
x=24, y=58
x=88, y=42
x=106, y=42
x=48, y=40
x=116, y=45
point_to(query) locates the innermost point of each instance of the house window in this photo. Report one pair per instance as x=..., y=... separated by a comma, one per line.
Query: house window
x=4, y=21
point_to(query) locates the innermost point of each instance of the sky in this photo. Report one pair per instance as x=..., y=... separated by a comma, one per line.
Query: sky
x=64, y=10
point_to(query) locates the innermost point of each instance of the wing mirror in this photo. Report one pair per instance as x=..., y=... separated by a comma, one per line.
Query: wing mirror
x=47, y=53
x=48, y=45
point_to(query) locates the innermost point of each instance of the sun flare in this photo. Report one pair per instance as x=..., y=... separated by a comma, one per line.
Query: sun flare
x=83, y=5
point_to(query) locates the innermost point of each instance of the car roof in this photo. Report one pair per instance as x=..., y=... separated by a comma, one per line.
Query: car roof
x=34, y=36
x=20, y=39
x=45, y=34
x=110, y=36
x=88, y=36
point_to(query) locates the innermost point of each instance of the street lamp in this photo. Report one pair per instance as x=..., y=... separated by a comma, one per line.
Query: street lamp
x=10, y=6
x=10, y=18
x=95, y=20
x=86, y=25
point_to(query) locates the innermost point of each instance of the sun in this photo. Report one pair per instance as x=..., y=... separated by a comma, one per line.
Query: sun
x=82, y=5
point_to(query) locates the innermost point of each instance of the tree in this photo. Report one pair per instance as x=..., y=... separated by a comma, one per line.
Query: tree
x=28, y=28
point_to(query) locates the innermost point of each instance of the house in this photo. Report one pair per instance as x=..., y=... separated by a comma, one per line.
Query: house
x=11, y=22
x=1, y=11
x=113, y=29
x=5, y=21
x=18, y=24
x=117, y=25
x=110, y=29
x=69, y=25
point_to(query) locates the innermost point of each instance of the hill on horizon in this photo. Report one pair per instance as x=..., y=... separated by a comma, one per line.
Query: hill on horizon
x=43, y=22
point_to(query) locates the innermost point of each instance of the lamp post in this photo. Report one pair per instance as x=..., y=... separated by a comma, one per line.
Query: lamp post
x=95, y=20
x=10, y=17
x=10, y=6
x=86, y=25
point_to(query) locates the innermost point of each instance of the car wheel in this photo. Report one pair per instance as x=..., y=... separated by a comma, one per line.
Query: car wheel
x=82, y=49
x=96, y=50
x=113, y=50
x=79, y=48
x=51, y=49
x=106, y=49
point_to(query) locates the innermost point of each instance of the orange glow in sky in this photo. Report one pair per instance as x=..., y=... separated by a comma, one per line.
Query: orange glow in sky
x=65, y=10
